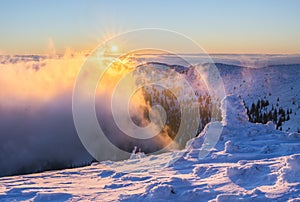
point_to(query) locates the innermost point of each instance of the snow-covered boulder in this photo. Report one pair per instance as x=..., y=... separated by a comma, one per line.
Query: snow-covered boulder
x=233, y=111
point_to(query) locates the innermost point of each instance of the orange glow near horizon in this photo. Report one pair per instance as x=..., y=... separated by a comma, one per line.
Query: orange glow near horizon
x=210, y=47
x=53, y=77
x=40, y=81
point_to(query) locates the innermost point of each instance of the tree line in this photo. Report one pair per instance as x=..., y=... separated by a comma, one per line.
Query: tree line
x=262, y=112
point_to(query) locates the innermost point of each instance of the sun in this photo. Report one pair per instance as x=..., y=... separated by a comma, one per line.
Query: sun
x=114, y=48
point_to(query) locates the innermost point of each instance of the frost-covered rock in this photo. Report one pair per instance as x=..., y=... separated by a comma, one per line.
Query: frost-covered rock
x=137, y=154
x=233, y=111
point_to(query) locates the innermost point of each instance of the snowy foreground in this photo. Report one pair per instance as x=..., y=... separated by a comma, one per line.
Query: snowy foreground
x=253, y=162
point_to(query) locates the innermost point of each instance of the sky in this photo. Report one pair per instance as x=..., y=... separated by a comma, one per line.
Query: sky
x=219, y=26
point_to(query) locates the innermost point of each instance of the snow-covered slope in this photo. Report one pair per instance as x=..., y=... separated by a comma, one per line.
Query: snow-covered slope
x=272, y=83
x=251, y=161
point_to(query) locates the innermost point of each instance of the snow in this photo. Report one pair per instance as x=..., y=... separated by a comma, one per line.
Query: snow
x=44, y=118
x=251, y=162
x=269, y=83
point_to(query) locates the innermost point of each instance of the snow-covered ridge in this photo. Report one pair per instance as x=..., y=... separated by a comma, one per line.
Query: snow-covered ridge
x=279, y=84
x=251, y=161
x=241, y=139
x=47, y=124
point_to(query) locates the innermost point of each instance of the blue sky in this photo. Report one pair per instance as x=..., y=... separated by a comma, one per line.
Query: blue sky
x=219, y=26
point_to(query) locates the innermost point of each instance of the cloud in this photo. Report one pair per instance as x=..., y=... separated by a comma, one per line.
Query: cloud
x=37, y=131
x=36, y=125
